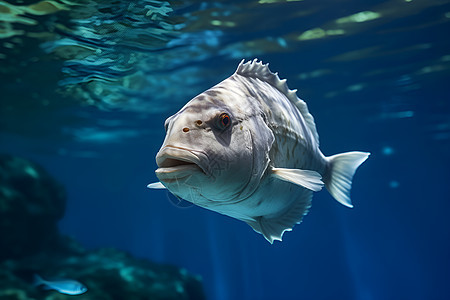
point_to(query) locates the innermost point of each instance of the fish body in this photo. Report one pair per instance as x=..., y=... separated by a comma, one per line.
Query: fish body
x=248, y=148
x=63, y=286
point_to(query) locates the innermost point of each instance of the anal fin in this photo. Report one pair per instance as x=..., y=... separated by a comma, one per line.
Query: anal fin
x=273, y=228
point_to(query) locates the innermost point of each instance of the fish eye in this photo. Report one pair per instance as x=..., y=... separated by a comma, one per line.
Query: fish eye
x=223, y=121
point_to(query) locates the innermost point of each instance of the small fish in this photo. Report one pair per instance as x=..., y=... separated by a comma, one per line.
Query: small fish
x=64, y=286
x=248, y=148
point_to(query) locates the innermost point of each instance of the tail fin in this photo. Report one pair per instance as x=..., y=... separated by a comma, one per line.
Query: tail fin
x=338, y=179
x=37, y=280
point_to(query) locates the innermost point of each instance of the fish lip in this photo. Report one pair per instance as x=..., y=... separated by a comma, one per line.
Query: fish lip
x=172, y=160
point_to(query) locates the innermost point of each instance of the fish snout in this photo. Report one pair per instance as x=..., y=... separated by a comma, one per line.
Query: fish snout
x=173, y=161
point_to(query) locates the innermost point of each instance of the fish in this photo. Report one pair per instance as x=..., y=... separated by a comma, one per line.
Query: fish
x=248, y=148
x=63, y=286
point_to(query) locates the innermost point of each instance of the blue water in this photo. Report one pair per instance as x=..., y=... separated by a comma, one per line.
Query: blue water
x=89, y=100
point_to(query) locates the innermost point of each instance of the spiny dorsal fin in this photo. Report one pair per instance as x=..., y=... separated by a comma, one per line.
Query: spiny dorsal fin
x=256, y=69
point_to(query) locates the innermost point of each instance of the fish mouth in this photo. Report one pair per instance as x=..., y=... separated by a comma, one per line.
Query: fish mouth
x=175, y=163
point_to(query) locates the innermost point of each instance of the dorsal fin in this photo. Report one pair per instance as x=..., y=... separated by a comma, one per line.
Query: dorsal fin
x=256, y=69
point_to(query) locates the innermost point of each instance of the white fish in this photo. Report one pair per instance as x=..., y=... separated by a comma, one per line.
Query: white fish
x=64, y=286
x=248, y=148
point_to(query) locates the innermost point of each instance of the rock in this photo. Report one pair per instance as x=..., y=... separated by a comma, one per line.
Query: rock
x=107, y=273
x=31, y=203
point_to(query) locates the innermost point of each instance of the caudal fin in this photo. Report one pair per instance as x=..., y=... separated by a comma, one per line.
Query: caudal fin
x=338, y=179
x=37, y=280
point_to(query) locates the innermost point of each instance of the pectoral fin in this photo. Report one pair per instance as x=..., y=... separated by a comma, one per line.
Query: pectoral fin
x=308, y=179
x=156, y=185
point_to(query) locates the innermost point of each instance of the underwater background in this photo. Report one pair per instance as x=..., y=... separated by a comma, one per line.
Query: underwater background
x=86, y=86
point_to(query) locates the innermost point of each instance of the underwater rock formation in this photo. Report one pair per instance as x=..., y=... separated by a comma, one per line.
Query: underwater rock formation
x=31, y=203
x=107, y=274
